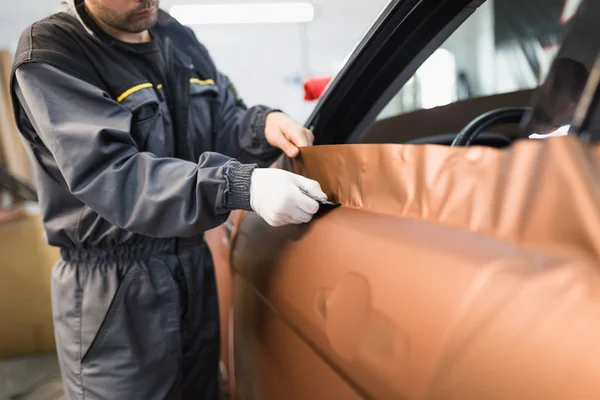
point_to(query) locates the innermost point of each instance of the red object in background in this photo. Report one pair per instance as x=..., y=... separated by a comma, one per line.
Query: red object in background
x=314, y=87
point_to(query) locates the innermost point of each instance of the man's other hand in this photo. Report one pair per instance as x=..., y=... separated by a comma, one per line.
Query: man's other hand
x=283, y=132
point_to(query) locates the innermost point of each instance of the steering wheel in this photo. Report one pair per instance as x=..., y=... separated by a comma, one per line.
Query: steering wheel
x=499, y=116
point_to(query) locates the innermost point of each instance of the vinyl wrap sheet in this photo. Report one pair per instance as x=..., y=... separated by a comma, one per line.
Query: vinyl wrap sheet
x=448, y=273
x=539, y=193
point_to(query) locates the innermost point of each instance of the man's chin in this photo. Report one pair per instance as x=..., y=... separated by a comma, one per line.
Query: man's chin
x=141, y=22
x=139, y=28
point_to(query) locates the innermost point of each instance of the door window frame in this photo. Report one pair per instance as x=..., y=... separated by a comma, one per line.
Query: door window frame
x=398, y=43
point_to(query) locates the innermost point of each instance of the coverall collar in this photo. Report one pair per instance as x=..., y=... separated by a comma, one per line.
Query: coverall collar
x=70, y=7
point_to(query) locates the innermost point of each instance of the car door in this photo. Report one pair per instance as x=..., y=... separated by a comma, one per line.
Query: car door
x=432, y=256
x=421, y=287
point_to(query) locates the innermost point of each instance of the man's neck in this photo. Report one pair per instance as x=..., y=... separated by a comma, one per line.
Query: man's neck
x=123, y=36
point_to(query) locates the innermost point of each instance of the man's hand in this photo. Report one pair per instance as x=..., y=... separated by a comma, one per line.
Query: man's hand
x=281, y=197
x=285, y=133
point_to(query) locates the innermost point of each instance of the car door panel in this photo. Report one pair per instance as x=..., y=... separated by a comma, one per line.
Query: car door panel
x=220, y=250
x=219, y=241
x=418, y=283
x=368, y=310
x=272, y=361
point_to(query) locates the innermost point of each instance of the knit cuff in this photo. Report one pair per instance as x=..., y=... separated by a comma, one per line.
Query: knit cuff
x=238, y=196
x=259, y=124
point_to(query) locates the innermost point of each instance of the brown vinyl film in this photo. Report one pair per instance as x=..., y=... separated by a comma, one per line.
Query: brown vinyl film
x=542, y=193
x=448, y=273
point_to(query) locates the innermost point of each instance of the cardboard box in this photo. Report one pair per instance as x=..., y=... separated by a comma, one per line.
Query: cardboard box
x=13, y=151
x=26, y=261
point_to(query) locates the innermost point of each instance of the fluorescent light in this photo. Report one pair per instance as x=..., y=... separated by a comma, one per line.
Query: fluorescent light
x=243, y=13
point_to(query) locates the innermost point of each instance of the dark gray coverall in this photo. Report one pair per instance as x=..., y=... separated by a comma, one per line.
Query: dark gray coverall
x=138, y=151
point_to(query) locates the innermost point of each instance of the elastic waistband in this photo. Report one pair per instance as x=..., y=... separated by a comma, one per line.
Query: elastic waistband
x=145, y=249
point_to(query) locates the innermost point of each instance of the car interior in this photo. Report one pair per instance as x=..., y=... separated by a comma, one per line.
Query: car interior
x=522, y=79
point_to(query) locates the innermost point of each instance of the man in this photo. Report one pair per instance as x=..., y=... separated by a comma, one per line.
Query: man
x=141, y=145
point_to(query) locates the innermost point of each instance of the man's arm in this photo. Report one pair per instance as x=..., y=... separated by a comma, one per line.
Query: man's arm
x=252, y=135
x=241, y=130
x=88, y=135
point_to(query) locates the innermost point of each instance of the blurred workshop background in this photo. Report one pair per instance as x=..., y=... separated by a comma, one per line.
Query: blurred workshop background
x=269, y=55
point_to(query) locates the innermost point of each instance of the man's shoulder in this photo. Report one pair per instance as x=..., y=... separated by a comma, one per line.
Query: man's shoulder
x=55, y=33
x=56, y=40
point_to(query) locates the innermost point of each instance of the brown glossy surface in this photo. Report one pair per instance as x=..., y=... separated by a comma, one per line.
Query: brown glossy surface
x=448, y=273
x=219, y=245
x=219, y=242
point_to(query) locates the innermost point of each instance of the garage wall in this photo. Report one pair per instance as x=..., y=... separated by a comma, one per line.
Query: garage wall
x=268, y=63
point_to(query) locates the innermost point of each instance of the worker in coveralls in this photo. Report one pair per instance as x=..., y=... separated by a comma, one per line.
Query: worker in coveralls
x=140, y=146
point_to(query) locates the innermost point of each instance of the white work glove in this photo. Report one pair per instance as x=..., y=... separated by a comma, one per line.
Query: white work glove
x=276, y=196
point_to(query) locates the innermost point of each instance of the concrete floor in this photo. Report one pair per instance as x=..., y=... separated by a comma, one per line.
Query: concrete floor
x=38, y=378
x=31, y=378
